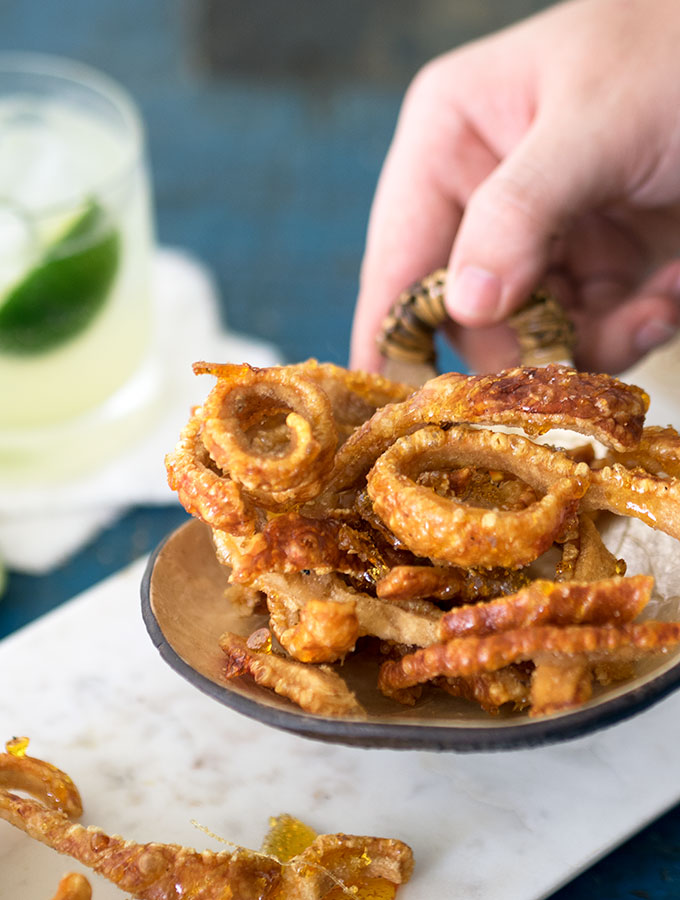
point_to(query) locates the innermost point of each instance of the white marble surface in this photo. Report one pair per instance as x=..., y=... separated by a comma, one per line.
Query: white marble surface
x=150, y=754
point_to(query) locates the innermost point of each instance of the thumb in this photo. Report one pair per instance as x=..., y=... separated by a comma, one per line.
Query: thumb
x=513, y=220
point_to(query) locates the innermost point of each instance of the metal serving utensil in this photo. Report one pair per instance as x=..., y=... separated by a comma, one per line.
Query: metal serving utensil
x=544, y=332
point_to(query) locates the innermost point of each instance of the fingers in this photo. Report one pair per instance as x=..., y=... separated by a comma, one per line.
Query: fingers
x=516, y=216
x=502, y=152
x=624, y=333
x=494, y=347
x=413, y=237
x=418, y=202
x=486, y=350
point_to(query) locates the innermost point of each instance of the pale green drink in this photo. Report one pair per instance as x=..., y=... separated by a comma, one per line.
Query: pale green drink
x=75, y=238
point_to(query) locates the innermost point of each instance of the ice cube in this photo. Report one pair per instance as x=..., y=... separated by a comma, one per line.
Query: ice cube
x=17, y=246
x=38, y=167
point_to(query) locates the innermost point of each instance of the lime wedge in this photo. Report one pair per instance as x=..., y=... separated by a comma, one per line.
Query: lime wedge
x=57, y=299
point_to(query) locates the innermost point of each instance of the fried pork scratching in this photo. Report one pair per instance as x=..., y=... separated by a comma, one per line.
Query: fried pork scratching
x=73, y=886
x=368, y=514
x=153, y=871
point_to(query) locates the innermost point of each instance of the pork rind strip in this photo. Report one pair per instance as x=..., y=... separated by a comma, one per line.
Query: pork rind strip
x=73, y=886
x=291, y=542
x=316, y=689
x=448, y=530
x=590, y=644
x=553, y=396
x=642, y=482
x=658, y=452
x=552, y=685
x=557, y=685
x=41, y=779
x=325, y=631
x=585, y=556
x=354, y=396
x=453, y=584
x=491, y=690
x=552, y=603
x=215, y=499
x=387, y=621
x=345, y=859
x=240, y=409
x=653, y=499
x=156, y=871
x=535, y=399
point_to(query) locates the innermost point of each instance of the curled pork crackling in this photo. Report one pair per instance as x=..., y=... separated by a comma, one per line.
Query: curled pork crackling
x=295, y=863
x=361, y=510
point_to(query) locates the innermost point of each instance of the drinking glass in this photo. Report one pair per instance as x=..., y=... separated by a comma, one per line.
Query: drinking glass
x=76, y=372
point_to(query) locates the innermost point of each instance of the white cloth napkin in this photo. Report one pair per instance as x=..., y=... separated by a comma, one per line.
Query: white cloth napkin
x=41, y=527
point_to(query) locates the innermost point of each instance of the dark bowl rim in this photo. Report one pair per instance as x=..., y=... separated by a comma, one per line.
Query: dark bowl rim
x=405, y=736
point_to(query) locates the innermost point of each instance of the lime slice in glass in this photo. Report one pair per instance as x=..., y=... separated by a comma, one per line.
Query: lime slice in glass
x=59, y=298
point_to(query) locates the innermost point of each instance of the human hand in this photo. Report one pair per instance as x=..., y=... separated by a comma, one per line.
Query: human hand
x=548, y=153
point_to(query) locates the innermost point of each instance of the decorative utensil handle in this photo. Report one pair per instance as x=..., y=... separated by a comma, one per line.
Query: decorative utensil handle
x=544, y=333
x=408, y=330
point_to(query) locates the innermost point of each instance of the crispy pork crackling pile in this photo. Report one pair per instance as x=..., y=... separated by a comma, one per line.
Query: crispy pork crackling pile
x=365, y=513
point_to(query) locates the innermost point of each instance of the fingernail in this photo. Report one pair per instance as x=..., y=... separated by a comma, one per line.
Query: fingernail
x=653, y=334
x=475, y=295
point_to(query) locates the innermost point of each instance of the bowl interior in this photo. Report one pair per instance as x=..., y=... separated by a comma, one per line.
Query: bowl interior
x=186, y=607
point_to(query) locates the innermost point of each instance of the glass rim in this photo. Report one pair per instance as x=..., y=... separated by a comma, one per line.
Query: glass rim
x=83, y=75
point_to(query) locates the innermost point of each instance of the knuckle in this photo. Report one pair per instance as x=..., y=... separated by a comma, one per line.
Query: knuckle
x=428, y=86
x=521, y=192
